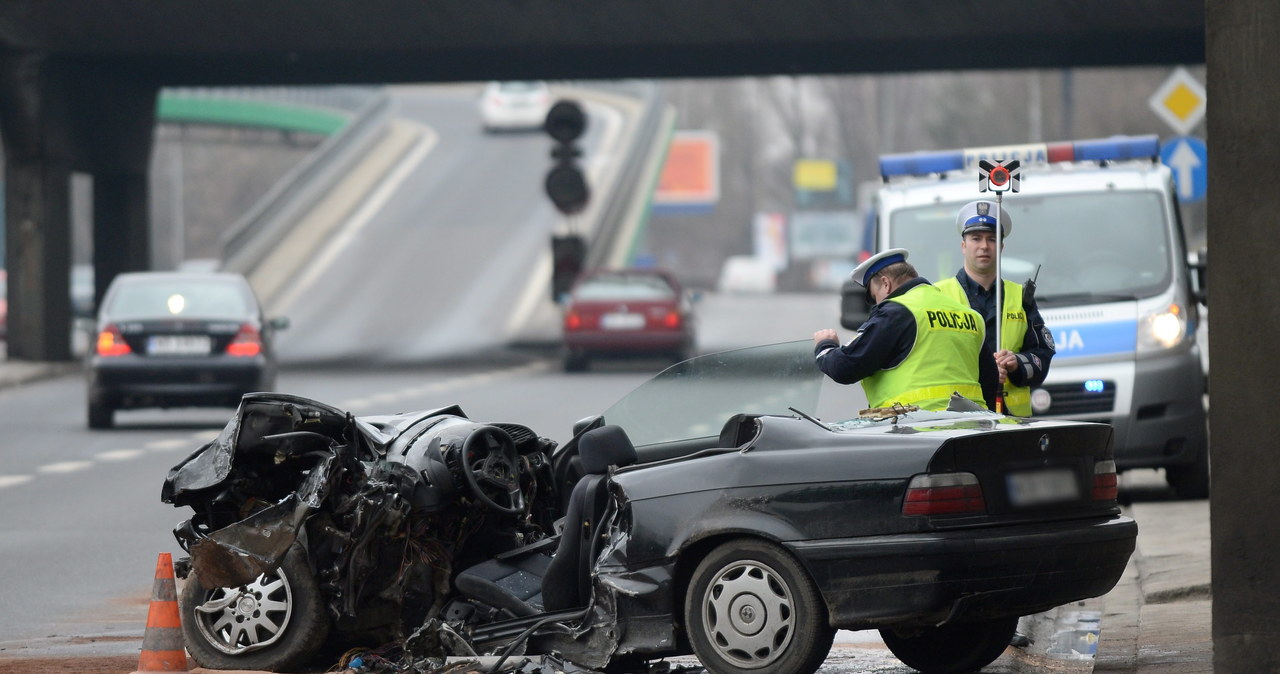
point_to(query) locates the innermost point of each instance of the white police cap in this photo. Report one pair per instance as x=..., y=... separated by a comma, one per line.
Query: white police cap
x=863, y=272
x=978, y=216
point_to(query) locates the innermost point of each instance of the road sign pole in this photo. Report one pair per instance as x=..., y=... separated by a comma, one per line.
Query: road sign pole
x=999, y=297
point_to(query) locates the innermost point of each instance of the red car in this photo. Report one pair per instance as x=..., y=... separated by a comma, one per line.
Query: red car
x=627, y=312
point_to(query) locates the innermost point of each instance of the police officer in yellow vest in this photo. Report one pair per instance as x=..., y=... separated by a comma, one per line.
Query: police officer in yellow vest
x=1026, y=347
x=917, y=347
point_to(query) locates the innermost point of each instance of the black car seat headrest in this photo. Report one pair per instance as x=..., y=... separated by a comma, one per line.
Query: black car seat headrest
x=606, y=446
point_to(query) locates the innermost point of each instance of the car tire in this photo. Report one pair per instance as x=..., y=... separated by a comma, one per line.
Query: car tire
x=101, y=415
x=750, y=607
x=951, y=649
x=577, y=362
x=292, y=625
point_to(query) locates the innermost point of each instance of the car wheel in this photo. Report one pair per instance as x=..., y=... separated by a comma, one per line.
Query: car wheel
x=576, y=362
x=1190, y=481
x=751, y=607
x=966, y=647
x=101, y=415
x=275, y=623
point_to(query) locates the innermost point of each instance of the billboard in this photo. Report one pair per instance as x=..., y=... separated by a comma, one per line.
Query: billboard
x=690, y=178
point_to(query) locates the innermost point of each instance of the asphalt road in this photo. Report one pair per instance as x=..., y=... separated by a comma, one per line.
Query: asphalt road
x=443, y=264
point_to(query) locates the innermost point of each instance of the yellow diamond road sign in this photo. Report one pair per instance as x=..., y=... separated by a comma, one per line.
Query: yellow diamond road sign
x=1180, y=101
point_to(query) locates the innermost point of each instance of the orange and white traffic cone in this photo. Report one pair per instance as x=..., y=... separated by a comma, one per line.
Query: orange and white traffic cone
x=162, y=649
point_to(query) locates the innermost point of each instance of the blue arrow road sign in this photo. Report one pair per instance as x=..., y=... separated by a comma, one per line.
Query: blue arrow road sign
x=1188, y=158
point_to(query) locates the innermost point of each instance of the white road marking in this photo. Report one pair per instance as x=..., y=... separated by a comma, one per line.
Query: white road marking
x=13, y=480
x=363, y=215
x=435, y=388
x=64, y=467
x=120, y=454
x=169, y=445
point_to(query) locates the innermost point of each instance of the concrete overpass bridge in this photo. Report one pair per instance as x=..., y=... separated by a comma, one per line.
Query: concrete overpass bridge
x=79, y=78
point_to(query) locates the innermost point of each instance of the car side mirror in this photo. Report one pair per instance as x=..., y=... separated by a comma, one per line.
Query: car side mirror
x=1198, y=262
x=279, y=323
x=854, y=308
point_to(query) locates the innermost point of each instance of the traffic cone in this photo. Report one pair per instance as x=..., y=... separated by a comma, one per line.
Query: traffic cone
x=162, y=649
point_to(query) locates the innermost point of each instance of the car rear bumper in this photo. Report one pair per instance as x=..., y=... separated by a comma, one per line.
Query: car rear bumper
x=932, y=578
x=616, y=343
x=133, y=382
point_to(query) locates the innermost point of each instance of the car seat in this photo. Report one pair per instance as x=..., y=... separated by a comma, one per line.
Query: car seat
x=528, y=580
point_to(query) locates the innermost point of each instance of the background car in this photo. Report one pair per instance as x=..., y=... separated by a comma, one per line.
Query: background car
x=519, y=105
x=178, y=339
x=627, y=312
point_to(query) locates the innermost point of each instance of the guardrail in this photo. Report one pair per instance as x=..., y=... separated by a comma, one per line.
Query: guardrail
x=630, y=179
x=267, y=223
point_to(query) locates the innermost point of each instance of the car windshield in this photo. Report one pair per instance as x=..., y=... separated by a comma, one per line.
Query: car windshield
x=167, y=298
x=1105, y=245
x=625, y=287
x=693, y=399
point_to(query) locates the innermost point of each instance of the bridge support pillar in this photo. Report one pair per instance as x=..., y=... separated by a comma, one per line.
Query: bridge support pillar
x=38, y=165
x=1244, y=132
x=56, y=119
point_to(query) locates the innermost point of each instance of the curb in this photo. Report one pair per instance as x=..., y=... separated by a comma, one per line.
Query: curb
x=15, y=373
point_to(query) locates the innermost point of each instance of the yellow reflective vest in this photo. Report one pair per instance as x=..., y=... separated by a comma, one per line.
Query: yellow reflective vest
x=1013, y=328
x=943, y=359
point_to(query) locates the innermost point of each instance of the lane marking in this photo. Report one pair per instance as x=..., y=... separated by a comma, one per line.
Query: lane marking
x=64, y=467
x=120, y=454
x=168, y=445
x=14, y=480
x=463, y=382
x=363, y=215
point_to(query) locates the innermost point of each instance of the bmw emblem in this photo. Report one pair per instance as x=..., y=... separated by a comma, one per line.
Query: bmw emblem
x=1044, y=442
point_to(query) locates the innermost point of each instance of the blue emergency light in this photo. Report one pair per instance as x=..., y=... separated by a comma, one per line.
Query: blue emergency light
x=1095, y=386
x=1100, y=149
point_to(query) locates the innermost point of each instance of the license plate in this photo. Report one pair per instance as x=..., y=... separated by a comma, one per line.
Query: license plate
x=1039, y=487
x=622, y=321
x=179, y=345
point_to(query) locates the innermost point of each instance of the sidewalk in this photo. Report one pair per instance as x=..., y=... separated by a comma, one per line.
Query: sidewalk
x=1158, y=620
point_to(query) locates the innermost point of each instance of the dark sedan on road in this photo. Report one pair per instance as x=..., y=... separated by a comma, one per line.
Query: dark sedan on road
x=627, y=312
x=178, y=339
x=709, y=511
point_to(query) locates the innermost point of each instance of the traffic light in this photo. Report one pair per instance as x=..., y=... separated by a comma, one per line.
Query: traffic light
x=567, y=256
x=565, y=184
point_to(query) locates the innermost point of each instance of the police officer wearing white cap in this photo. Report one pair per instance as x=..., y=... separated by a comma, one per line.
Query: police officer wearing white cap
x=917, y=347
x=1026, y=346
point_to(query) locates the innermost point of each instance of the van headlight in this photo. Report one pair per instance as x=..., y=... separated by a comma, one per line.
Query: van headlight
x=1162, y=329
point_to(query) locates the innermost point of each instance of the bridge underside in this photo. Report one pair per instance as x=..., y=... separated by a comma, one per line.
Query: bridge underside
x=187, y=42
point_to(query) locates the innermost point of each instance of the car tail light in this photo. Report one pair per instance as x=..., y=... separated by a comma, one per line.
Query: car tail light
x=247, y=342
x=944, y=494
x=111, y=342
x=671, y=320
x=1106, y=484
x=573, y=321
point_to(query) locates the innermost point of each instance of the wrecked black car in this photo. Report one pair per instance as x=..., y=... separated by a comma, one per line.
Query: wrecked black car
x=708, y=512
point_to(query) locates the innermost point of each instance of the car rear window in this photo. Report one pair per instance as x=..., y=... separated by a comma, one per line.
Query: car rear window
x=163, y=298
x=629, y=287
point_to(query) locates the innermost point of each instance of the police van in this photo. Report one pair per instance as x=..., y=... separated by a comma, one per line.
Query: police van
x=1096, y=225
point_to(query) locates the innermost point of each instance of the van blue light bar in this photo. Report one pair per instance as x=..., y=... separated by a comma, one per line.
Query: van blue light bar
x=1099, y=149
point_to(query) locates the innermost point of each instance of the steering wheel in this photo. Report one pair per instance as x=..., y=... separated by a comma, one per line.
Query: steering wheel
x=490, y=465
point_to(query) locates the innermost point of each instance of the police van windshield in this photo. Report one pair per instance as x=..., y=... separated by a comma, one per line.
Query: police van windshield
x=1090, y=247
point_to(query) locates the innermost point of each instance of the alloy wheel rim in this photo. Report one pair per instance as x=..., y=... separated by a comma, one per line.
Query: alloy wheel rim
x=244, y=619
